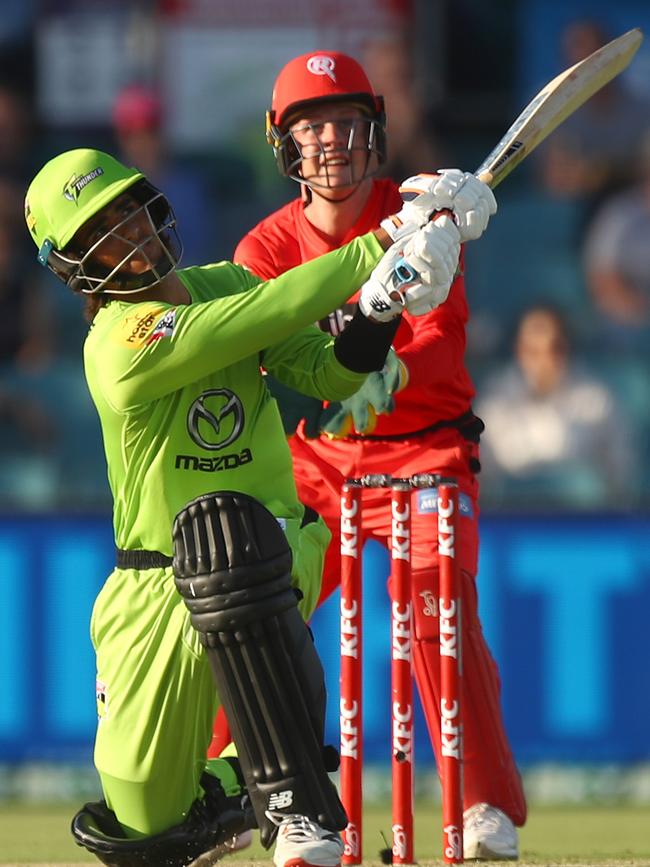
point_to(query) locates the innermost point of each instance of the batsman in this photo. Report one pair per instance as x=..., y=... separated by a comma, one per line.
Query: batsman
x=327, y=129
x=218, y=563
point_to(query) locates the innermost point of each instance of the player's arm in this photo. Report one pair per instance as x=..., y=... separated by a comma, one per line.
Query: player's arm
x=311, y=367
x=307, y=363
x=210, y=336
x=365, y=343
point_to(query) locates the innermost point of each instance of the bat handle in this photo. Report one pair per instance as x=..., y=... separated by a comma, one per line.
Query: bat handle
x=486, y=177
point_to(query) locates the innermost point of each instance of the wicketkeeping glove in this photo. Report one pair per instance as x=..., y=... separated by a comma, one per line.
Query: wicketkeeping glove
x=471, y=201
x=358, y=414
x=294, y=406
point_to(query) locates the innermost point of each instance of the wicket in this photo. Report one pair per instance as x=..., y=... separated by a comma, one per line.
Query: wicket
x=351, y=678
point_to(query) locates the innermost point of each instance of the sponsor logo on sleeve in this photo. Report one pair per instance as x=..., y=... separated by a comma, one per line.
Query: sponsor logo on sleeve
x=164, y=328
x=135, y=331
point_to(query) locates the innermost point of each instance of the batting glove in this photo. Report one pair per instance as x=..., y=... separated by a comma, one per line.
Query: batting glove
x=382, y=295
x=470, y=200
x=433, y=253
x=415, y=276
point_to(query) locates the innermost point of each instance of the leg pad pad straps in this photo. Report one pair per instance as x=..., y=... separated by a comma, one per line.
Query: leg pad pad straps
x=232, y=565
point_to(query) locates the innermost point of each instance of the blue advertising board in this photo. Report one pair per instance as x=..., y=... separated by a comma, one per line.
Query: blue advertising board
x=564, y=603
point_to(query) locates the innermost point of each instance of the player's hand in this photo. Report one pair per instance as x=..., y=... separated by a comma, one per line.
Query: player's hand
x=382, y=295
x=358, y=413
x=433, y=252
x=414, y=276
x=470, y=200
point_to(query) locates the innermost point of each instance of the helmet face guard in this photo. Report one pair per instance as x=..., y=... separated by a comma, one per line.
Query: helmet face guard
x=83, y=271
x=306, y=83
x=362, y=134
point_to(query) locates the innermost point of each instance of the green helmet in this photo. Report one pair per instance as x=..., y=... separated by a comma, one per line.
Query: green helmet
x=72, y=188
x=69, y=190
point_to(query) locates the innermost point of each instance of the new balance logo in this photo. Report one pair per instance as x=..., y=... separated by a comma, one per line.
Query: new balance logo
x=378, y=304
x=281, y=800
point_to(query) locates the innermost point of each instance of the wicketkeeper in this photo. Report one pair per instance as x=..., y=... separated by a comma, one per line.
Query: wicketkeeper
x=326, y=126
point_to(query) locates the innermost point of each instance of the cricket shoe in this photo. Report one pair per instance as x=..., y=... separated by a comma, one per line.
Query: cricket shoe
x=303, y=843
x=489, y=835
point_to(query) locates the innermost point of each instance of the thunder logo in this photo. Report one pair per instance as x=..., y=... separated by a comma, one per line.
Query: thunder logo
x=72, y=189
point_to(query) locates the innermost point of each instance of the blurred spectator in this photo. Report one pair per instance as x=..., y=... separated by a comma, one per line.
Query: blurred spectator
x=28, y=434
x=28, y=439
x=26, y=326
x=413, y=143
x=138, y=124
x=554, y=434
x=16, y=142
x=594, y=151
x=25, y=320
x=24, y=422
x=617, y=263
x=16, y=39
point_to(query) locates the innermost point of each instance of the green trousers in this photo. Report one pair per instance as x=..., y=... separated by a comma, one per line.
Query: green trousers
x=156, y=697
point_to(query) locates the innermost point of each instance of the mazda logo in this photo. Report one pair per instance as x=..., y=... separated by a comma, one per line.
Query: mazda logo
x=215, y=419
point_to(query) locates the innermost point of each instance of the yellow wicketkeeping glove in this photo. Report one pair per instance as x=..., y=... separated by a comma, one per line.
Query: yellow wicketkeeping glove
x=358, y=414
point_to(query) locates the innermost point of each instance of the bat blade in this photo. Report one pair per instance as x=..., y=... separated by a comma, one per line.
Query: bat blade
x=555, y=102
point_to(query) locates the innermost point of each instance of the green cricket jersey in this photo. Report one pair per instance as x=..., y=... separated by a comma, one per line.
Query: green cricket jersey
x=183, y=406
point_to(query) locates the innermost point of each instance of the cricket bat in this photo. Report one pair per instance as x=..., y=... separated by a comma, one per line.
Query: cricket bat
x=555, y=102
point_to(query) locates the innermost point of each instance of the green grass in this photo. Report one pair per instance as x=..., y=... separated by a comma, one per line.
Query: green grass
x=575, y=835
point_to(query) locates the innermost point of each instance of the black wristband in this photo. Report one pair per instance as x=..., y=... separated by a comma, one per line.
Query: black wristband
x=363, y=345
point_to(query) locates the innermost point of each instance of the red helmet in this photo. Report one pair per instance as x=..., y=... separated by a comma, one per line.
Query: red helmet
x=320, y=76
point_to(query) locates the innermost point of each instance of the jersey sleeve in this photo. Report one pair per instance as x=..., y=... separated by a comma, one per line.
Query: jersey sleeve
x=306, y=362
x=188, y=342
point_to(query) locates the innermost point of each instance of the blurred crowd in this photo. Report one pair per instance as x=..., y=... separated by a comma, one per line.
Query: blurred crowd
x=559, y=289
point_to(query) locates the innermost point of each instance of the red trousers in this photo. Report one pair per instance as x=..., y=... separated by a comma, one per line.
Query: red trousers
x=321, y=466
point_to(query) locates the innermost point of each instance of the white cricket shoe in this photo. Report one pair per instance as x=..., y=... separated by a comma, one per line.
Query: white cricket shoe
x=489, y=835
x=303, y=843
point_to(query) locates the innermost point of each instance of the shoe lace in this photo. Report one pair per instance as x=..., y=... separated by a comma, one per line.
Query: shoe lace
x=483, y=816
x=295, y=828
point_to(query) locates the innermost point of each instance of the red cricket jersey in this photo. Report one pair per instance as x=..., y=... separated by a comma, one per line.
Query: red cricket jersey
x=431, y=346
